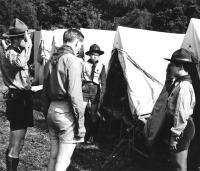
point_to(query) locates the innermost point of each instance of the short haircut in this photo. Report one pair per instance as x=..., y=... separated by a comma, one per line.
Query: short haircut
x=16, y=37
x=71, y=34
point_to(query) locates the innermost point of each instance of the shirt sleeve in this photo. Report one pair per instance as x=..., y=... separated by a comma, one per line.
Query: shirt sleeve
x=184, y=108
x=44, y=96
x=19, y=60
x=103, y=83
x=75, y=87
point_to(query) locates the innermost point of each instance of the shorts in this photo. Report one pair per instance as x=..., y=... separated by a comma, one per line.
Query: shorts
x=187, y=136
x=19, y=109
x=91, y=92
x=61, y=123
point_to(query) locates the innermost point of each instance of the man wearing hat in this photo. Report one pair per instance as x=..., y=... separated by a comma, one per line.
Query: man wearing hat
x=179, y=127
x=94, y=79
x=16, y=77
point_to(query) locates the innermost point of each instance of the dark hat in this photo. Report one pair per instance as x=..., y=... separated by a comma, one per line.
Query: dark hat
x=16, y=29
x=182, y=55
x=96, y=49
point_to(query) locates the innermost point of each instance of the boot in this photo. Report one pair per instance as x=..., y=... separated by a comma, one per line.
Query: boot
x=11, y=163
x=95, y=131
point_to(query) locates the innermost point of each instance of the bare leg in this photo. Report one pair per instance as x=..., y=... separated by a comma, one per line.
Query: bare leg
x=180, y=160
x=53, y=155
x=94, y=115
x=64, y=156
x=16, y=142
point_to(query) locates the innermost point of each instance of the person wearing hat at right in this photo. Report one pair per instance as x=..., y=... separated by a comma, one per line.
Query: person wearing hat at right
x=93, y=87
x=15, y=73
x=179, y=127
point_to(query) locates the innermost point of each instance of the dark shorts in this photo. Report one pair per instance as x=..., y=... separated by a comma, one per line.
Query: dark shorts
x=19, y=109
x=91, y=92
x=187, y=136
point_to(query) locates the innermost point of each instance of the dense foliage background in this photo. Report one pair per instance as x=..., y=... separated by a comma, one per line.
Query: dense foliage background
x=160, y=15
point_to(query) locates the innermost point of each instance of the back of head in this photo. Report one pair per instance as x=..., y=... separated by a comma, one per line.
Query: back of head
x=71, y=34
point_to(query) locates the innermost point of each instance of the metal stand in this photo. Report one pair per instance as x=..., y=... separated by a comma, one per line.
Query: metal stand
x=124, y=145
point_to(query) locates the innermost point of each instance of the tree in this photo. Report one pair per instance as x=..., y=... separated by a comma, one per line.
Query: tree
x=127, y=3
x=136, y=19
x=24, y=10
x=44, y=14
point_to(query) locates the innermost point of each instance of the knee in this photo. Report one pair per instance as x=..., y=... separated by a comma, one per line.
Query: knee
x=53, y=154
x=21, y=144
x=15, y=144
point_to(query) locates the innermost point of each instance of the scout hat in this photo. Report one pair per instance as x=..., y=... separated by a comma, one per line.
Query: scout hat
x=182, y=55
x=96, y=49
x=16, y=29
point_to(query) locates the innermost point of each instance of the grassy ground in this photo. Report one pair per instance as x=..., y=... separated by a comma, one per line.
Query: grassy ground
x=35, y=153
x=34, y=156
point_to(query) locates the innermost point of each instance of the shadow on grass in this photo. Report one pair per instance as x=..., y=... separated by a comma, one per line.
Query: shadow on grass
x=41, y=125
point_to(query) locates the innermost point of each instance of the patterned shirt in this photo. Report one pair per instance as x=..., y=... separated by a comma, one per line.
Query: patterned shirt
x=15, y=69
x=180, y=105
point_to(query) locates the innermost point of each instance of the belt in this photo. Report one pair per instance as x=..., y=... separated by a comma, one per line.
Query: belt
x=59, y=98
x=90, y=83
x=18, y=90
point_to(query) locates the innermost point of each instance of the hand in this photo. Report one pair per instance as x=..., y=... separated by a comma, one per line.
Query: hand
x=27, y=39
x=173, y=144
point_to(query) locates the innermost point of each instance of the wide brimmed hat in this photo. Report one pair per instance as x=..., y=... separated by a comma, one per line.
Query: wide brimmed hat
x=182, y=55
x=17, y=28
x=94, y=49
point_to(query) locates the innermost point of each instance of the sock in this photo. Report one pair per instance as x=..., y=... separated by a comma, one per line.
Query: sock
x=12, y=163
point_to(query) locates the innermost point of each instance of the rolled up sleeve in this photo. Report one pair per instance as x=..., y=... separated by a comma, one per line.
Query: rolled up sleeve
x=75, y=87
x=19, y=60
x=183, y=110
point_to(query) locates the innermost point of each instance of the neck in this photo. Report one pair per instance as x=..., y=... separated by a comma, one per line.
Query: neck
x=71, y=45
x=15, y=44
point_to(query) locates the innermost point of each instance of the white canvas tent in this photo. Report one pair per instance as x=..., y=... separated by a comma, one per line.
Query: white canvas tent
x=192, y=42
x=192, y=38
x=45, y=42
x=141, y=55
x=153, y=126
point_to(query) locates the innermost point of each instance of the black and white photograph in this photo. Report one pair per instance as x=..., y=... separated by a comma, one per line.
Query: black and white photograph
x=99, y=85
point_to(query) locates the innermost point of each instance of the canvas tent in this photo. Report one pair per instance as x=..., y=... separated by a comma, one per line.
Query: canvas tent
x=46, y=41
x=192, y=42
x=139, y=56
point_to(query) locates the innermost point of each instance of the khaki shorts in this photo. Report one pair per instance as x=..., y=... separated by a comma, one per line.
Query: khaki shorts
x=61, y=123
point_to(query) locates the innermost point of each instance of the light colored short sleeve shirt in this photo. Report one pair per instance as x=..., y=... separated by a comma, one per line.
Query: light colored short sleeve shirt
x=180, y=104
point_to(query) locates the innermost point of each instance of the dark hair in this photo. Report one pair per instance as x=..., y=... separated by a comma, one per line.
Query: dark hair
x=16, y=37
x=71, y=34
